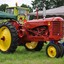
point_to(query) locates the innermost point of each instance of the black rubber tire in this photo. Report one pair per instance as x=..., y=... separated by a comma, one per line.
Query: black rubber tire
x=14, y=37
x=37, y=48
x=56, y=47
x=61, y=49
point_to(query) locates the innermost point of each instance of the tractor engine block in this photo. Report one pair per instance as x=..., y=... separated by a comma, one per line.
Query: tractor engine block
x=39, y=31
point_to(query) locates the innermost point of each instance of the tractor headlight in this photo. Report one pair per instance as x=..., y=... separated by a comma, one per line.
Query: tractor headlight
x=49, y=23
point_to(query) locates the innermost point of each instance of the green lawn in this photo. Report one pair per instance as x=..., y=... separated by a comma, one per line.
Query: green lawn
x=21, y=56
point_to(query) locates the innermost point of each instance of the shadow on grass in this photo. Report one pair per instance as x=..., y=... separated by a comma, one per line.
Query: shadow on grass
x=24, y=51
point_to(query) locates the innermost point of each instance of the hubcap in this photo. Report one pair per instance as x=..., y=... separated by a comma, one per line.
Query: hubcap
x=31, y=45
x=5, y=38
x=51, y=51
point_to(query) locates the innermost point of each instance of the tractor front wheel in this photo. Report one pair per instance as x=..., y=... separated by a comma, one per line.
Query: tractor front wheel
x=53, y=50
x=8, y=38
x=34, y=46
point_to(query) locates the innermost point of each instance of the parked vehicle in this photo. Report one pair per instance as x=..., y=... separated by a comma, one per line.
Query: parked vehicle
x=32, y=34
x=20, y=12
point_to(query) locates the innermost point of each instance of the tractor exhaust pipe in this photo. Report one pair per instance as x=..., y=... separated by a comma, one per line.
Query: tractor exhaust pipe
x=44, y=9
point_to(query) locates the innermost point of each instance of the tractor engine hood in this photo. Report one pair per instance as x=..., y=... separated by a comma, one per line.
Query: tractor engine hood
x=40, y=22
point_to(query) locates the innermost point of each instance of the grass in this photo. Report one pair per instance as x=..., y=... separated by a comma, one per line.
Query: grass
x=21, y=56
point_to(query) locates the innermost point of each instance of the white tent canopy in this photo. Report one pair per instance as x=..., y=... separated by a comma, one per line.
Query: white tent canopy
x=54, y=11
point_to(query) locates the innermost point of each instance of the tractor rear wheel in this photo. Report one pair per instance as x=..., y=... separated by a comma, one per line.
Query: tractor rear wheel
x=34, y=46
x=8, y=38
x=53, y=50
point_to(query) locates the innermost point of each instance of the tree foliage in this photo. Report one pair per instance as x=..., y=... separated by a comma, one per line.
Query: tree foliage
x=49, y=4
x=27, y=6
x=3, y=7
x=56, y=3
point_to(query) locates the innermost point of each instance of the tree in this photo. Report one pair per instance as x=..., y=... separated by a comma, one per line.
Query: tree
x=3, y=7
x=56, y=3
x=27, y=6
x=37, y=3
x=49, y=4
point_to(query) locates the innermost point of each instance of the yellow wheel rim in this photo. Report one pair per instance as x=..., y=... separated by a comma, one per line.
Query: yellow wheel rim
x=5, y=38
x=31, y=45
x=51, y=51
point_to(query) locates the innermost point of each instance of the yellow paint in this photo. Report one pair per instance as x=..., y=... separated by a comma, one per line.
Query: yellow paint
x=23, y=18
x=51, y=51
x=31, y=45
x=15, y=11
x=5, y=38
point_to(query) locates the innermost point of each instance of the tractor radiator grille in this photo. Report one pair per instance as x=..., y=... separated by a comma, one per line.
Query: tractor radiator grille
x=56, y=28
x=63, y=28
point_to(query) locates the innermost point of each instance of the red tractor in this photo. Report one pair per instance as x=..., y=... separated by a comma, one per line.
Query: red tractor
x=32, y=35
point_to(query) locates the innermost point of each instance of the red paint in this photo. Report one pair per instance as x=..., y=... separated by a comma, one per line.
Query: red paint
x=40, y=30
